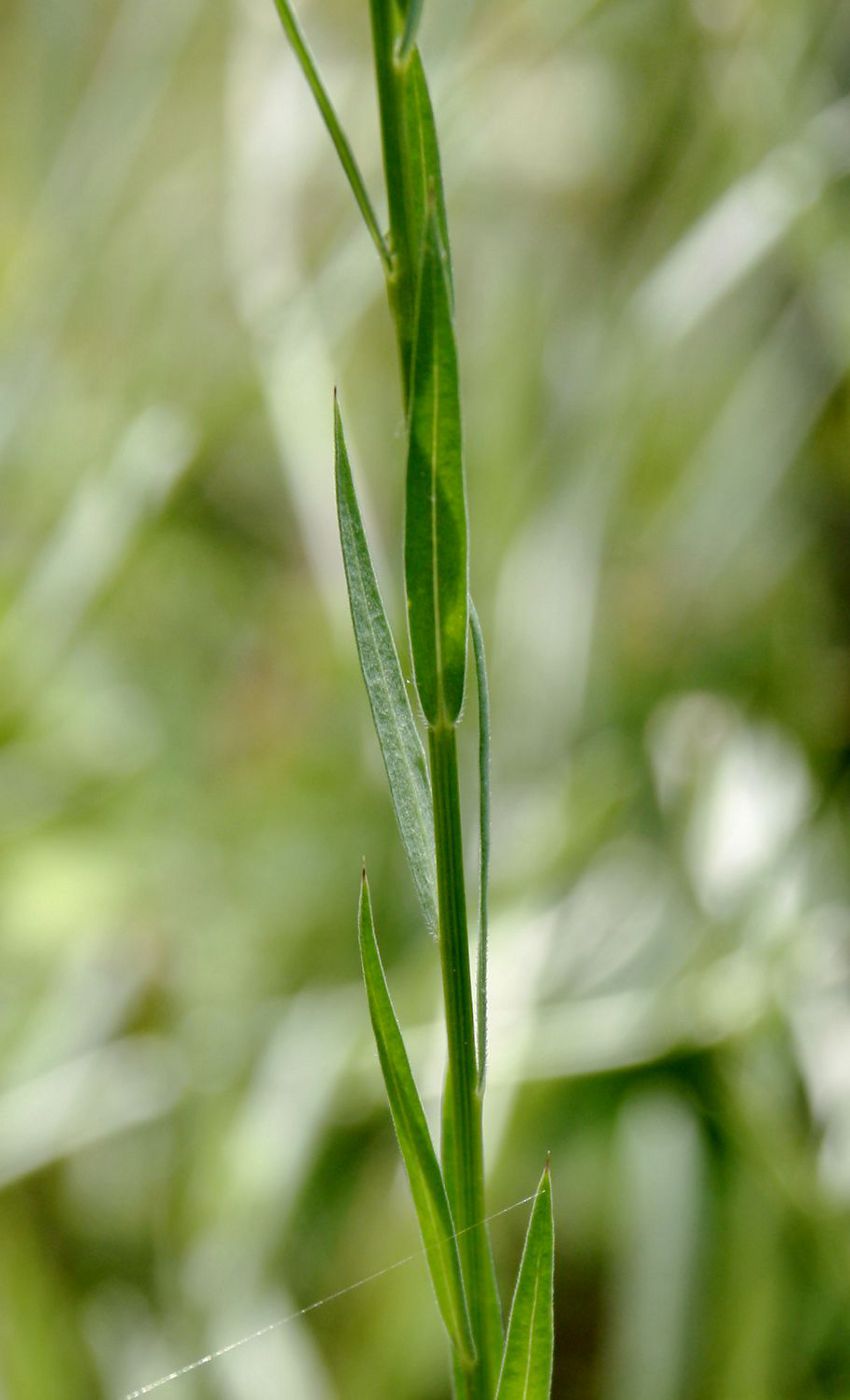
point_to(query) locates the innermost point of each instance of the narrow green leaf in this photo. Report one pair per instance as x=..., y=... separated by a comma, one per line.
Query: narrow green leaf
x=483, y=839
x=404, y=758
x=530, y=1343
x=426, y=1183
x=411, y=167
x=435, y=541
x=341, y=143
x=411, y=27
x=424, y=177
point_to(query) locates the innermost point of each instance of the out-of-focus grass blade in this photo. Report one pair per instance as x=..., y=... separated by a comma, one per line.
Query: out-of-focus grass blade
x=530, y=1343
x=341, y=143
x=411, y=28
x=483, y=839
x=404, y=758
x=423, y=1171
x=435, y=540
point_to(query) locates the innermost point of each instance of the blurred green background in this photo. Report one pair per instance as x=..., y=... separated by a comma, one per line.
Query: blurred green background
x=649, y=202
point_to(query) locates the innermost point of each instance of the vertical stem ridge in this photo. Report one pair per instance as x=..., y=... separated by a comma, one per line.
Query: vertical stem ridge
x=466, y=1177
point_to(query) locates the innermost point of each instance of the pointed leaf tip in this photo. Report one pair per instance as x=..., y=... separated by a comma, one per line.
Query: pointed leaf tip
x=530, y=1343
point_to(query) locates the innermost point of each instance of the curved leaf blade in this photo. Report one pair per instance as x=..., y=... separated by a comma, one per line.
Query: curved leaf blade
x=530, y=1342
x=435, y=540
x=426, y=1183
x=401, y=747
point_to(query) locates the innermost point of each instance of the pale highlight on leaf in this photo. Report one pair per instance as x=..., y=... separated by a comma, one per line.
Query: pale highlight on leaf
x=530, y=1343
x=435, y=542
x=426, y=1183
x=401, y=747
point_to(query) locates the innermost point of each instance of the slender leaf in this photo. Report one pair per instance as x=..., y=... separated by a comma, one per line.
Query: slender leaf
x=341, y=143
x=530, y=1343
x=424, y=177
x=435, y=544
x=426, y=1183
x=404, y=758
x=483, y=839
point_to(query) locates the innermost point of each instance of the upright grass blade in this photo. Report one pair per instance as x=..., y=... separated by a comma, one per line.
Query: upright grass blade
x=435, y=540
x=484, y=840
x=426, y=1184
x=419, y=284
x=529, y=1346
x=404, y=758
x=331, y=120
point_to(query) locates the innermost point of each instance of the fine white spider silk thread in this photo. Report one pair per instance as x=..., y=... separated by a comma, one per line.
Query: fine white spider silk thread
x=311, y=1307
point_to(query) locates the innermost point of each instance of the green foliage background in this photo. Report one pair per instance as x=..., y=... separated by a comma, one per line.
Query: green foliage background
x=649, y=206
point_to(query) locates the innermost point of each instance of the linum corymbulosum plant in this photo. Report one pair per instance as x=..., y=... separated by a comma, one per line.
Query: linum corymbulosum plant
x=447, y=1191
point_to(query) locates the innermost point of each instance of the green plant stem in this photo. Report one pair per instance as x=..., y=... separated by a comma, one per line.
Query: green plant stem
x=401, y=275
x=465, y=1174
